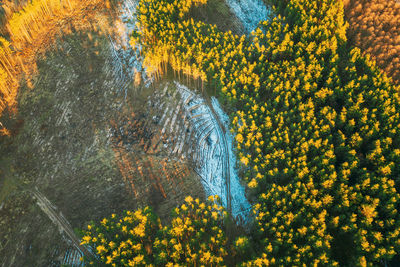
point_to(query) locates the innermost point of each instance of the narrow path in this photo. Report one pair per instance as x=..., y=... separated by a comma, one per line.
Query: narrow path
x=59, y=220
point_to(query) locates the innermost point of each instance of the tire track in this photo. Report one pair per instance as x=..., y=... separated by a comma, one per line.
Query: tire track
x=59, y=220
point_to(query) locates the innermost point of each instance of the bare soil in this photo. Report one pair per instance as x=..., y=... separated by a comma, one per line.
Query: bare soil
x=65, y=146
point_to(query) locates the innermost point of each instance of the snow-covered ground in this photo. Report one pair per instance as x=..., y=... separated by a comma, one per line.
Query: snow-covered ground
x=72, y=258
x=214, y=155
x=250, y=12
x=239, y=202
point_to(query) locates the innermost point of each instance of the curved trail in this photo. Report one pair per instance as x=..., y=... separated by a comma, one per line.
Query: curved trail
x=226, y=169
x=213, y=152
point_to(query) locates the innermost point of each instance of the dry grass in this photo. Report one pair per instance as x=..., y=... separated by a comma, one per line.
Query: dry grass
x=374, y=26
x=32, y=30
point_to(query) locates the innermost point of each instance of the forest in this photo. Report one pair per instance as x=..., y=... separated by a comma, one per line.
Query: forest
x=316, y=124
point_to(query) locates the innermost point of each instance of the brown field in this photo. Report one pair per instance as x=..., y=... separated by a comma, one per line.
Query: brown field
x=374, y=26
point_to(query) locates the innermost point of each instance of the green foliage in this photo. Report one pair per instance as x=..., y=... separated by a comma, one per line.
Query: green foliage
x=124, y=241
x=195, y=237
x=316, y=123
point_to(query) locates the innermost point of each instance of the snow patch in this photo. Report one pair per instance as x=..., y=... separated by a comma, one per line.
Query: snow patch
x=240, y=204
x=72, y=258
x=214, y=155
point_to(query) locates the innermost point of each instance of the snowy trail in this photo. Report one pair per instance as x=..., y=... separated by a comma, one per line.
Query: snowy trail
x=237, y=191
x=214, y=153
x=250, y=12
